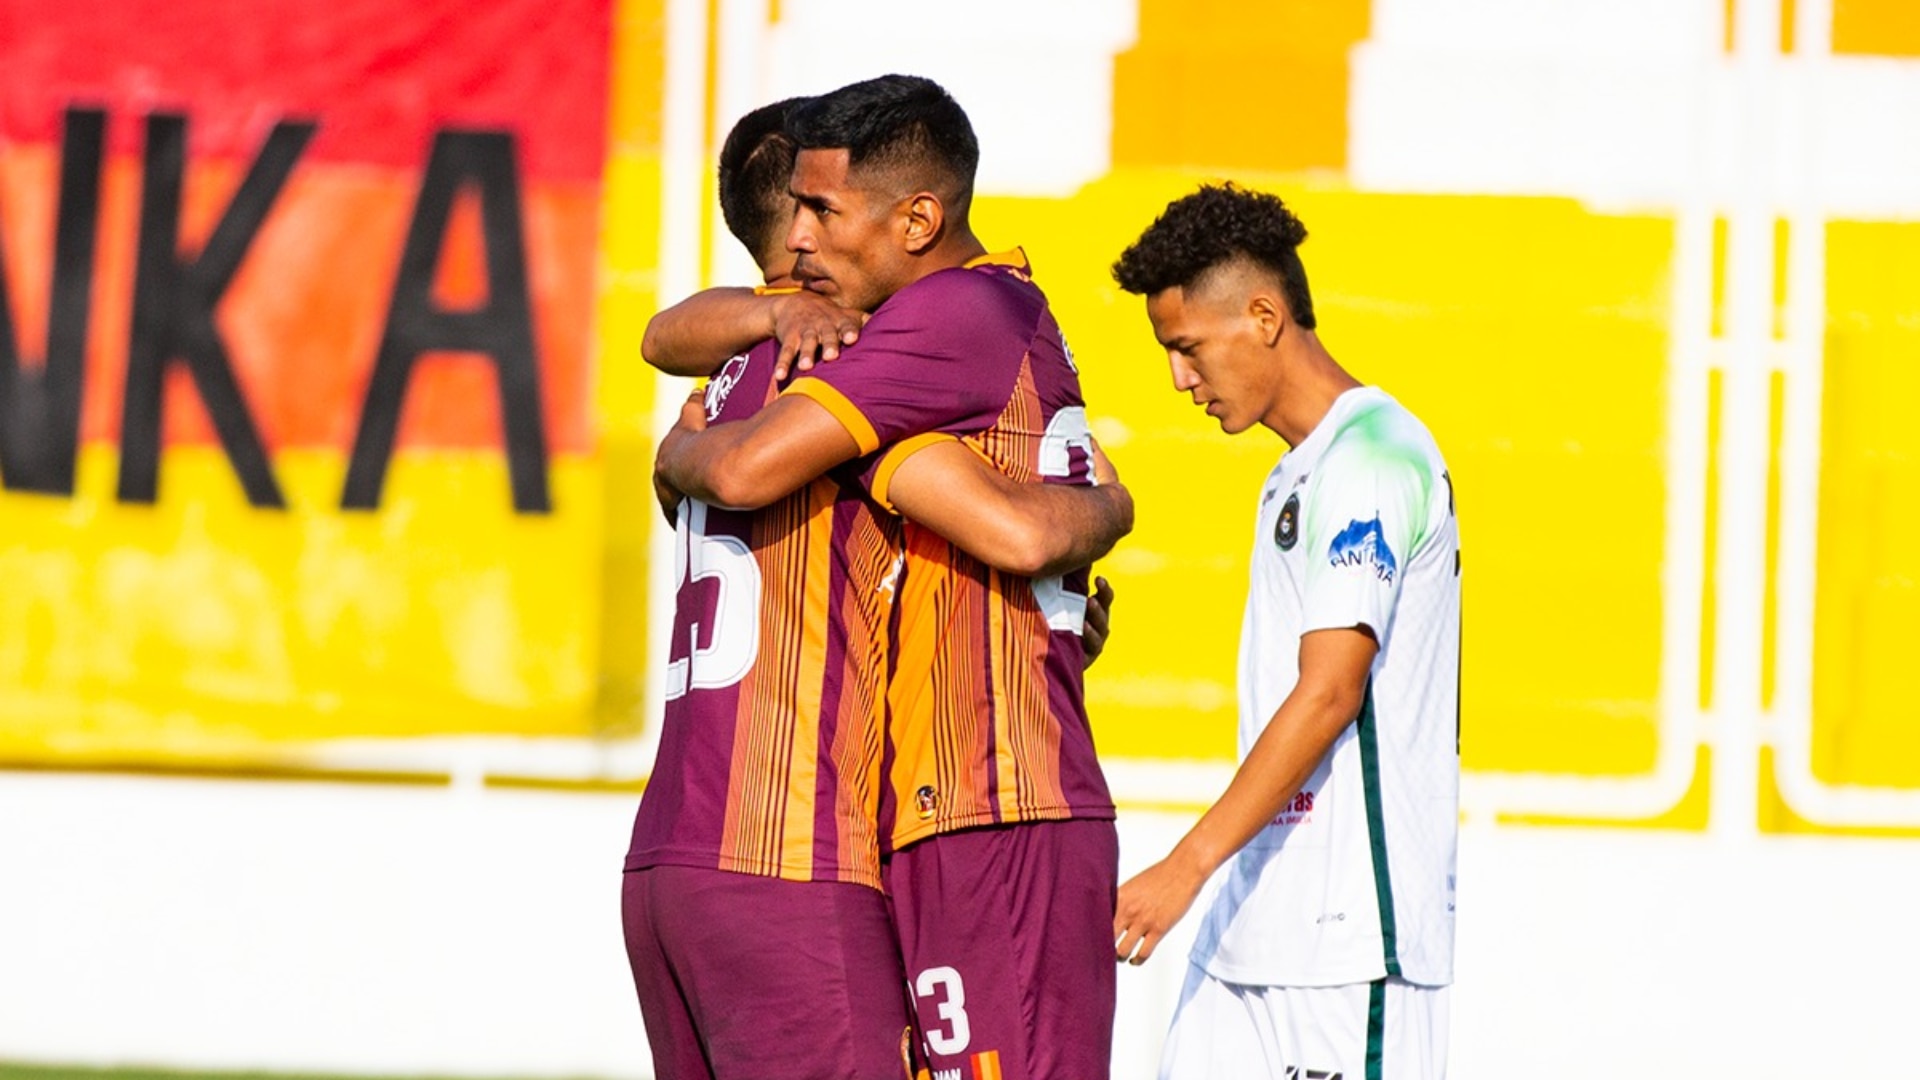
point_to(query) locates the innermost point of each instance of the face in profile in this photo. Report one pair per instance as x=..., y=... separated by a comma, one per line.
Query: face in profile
x=843, y=234
x=1219, y=350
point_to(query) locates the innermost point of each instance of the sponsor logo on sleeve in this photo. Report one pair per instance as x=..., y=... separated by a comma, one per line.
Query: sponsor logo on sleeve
x=1364, y=543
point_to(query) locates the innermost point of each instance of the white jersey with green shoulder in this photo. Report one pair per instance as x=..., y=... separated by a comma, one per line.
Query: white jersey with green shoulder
x=1353, y=881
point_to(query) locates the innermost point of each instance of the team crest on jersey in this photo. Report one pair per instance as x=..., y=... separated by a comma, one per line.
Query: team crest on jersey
x=1364, y=543
x=926, y=800
x=1286, y=530
x=722, y=384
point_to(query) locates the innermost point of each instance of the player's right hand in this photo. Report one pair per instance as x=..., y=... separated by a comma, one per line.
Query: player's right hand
x=1149, y=904
x=1103, y=470
x=810, y=329
x=1099, y=621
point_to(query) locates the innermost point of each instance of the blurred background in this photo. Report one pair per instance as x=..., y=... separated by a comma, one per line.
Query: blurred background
x=328, y=575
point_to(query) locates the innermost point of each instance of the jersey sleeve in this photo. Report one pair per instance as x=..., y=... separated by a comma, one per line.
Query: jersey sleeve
x=942, y=355
x=1365, y=517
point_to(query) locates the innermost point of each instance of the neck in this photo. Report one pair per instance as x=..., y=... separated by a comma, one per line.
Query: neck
x=956, y=247
x=1312, y=383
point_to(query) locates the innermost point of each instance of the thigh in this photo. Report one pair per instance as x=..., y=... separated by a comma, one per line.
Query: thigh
x=1007, y=934
x=785, y=980
x=668, y=1015
x=1414, y=1026
x=1219, y=1032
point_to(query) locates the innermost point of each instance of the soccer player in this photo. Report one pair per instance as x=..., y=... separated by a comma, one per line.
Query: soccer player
x=1329, y=947
x=757, y=935
x=1002, y=853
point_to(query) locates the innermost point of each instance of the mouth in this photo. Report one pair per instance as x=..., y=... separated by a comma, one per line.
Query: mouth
x=810, y=276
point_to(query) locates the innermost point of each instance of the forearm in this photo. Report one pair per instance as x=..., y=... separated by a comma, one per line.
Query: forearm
x=747, y=464
x=1302, y=731
x=1085, y=523
x=1033, y=530
x=699, y=334
x=712, y=466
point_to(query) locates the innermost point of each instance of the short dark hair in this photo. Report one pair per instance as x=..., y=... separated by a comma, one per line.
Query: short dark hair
x=895, y=121
x=1214, y=226
x=754, y=165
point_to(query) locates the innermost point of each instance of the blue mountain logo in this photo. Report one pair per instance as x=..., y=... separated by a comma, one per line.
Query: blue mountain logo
x=1364, y=543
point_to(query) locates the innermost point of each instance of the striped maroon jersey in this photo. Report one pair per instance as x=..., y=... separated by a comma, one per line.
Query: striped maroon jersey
x=771, y=746
x=987, y=717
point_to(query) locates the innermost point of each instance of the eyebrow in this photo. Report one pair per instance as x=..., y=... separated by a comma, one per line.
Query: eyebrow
x=811, y=202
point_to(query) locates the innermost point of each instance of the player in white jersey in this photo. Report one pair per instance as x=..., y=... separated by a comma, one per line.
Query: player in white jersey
x=1329, y=945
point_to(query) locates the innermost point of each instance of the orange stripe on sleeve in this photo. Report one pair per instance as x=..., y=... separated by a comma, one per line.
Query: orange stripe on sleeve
x=897, y=456
x=986, y=1065
x=843, y=410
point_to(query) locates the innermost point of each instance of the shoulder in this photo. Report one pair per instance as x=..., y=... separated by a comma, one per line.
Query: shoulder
x=974, y=301
x=1384, y=458
x=742, y=385
x=1381, y=436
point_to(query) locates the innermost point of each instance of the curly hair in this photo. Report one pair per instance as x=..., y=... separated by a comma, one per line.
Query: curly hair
x=1213, y=226
x=754, y=164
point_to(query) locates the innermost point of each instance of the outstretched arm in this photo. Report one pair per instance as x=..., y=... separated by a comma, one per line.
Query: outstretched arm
x=1034, y=530
x=1333, y=682
x=704, y=331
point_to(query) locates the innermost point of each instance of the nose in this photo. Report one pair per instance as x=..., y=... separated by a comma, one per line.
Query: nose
x=800, y=234
x=1184, y=377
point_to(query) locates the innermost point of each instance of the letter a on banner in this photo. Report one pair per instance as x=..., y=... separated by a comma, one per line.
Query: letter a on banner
x=501, y=328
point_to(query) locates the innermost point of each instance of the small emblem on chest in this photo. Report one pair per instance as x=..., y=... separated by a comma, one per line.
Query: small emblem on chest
x=1286, y=529
x=927, y=801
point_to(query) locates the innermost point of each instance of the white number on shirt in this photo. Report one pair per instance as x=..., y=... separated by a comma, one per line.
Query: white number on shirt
x=953, y=1010
x=732, y=623
x=1066, y=430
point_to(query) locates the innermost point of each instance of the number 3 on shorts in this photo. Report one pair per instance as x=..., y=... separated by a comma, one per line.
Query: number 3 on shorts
x=953, y=1010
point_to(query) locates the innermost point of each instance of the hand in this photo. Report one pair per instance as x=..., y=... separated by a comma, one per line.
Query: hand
x=1093, y=635
x=693, y=418
x=811, y=328
x=1150, y=903
x=1103, y=471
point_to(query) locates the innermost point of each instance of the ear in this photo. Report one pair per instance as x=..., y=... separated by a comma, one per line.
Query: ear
x=922, y=222
x=1270, y=314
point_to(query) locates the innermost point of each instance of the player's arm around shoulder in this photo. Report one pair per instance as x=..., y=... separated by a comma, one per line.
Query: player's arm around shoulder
x=1334, y=665
x=750, y=463
x=699, y=334
x=1029, y=529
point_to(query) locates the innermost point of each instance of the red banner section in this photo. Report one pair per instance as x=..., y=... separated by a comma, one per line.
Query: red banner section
x=357, y=227
x=381, y=77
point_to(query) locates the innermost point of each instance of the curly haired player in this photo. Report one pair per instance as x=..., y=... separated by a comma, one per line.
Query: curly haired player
x=1328, y=950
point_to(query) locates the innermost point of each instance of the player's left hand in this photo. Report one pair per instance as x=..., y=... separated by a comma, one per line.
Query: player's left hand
x=1093, y=634
x=693, y=418
x=1150, y=904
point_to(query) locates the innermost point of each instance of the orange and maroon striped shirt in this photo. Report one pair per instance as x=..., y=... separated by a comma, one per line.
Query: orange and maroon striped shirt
x=987, y=716
x=771, y=747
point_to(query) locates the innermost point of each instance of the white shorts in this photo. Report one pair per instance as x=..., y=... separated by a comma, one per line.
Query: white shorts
x=1385, y=1030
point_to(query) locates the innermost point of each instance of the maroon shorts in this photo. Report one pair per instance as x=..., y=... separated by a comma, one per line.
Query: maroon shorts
x=743, y=977
x=1007, y=933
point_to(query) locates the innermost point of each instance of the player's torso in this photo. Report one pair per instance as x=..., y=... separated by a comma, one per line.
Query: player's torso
x=771, y=742
x=1312, y=870
x=988, y=719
